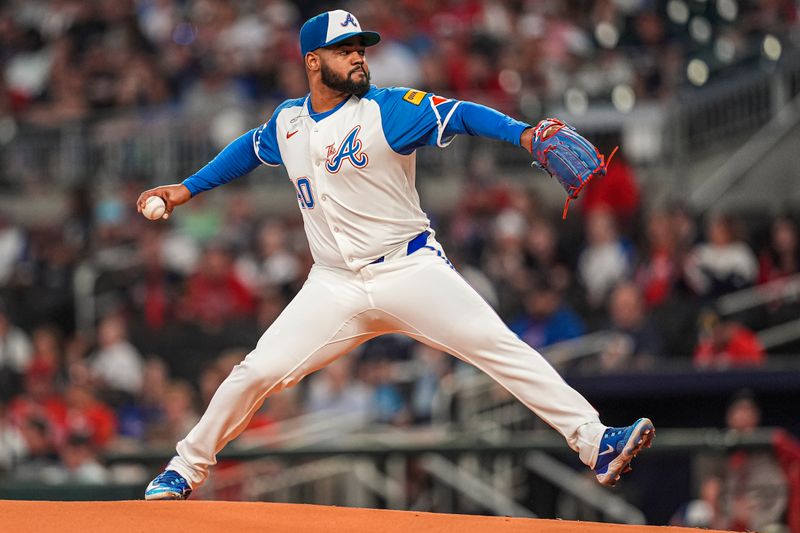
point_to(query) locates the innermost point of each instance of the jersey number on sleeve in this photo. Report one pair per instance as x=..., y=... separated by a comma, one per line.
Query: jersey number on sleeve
x=304, y=195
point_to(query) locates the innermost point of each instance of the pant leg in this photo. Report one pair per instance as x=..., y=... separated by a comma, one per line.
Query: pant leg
x=326, y=319
x=430, y=301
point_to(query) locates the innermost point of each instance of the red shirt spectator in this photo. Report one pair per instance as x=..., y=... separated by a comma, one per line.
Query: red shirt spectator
x=617, y=190
x=40, y=401
x=88, y=416
x=215, y=295
x=728, y=344
x=657, y=273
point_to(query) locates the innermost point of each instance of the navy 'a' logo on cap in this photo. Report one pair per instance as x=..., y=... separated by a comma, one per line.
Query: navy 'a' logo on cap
x=349, y=20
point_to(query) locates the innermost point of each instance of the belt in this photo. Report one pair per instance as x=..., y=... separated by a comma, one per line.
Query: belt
x=413, y=245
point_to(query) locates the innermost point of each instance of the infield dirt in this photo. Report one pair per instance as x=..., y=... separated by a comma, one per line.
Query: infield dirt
x=242, y=517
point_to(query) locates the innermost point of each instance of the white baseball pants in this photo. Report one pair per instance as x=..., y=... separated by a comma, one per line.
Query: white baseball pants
x=419, y=295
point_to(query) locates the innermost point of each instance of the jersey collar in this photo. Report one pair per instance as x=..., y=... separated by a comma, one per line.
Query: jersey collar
x=316, y=117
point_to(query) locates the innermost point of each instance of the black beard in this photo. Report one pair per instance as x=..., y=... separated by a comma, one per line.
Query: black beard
x=345, y=85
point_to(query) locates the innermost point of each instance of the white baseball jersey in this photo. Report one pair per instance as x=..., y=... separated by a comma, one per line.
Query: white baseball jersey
x=354, y=169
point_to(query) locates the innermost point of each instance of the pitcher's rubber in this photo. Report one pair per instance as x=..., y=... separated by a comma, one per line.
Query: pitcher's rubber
x=245, y=517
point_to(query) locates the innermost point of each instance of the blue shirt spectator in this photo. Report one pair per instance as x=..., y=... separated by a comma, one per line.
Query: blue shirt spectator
x=547, y=319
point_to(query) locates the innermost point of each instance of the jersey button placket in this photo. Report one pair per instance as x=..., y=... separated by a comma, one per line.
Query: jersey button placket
x=328, y=207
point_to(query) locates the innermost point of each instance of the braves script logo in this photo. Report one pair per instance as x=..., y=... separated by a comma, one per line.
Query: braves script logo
x=350, y=150
x=349, y=20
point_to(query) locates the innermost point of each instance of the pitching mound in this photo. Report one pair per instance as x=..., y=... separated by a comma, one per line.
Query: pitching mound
x=240, y=517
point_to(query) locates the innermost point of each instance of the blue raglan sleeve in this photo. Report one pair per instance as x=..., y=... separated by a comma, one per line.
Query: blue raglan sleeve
x=413, y=118
x=235, y=160
x=242, y=156
x=482, y=121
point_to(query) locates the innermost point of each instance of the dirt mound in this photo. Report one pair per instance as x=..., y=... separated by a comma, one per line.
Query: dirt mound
x=242, y=517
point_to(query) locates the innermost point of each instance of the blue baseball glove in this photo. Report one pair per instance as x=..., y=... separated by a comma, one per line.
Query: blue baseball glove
x=566, y=156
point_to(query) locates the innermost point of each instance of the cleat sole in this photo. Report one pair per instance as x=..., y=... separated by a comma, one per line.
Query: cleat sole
x=164, y=496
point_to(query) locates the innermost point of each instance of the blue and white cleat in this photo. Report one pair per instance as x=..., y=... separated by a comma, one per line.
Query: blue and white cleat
x=168, y=485
x=618, y=447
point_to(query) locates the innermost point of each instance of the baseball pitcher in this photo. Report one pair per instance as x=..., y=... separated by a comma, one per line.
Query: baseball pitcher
x=349, y=150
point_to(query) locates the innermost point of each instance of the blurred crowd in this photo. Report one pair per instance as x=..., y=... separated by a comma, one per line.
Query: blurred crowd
x=65, y=60
x=115, y=331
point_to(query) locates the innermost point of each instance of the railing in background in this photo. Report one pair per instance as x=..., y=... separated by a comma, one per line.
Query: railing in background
x=780, y=291
x=727, y=110
x=470, y=472
x=762, y=139
x=478, y=474
x=784, y=289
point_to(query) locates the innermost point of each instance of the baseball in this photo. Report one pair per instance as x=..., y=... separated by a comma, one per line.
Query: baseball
x=154, y=208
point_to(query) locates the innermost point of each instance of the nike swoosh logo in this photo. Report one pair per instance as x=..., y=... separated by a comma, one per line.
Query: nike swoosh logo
x=609, y=450
x=289, y=134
